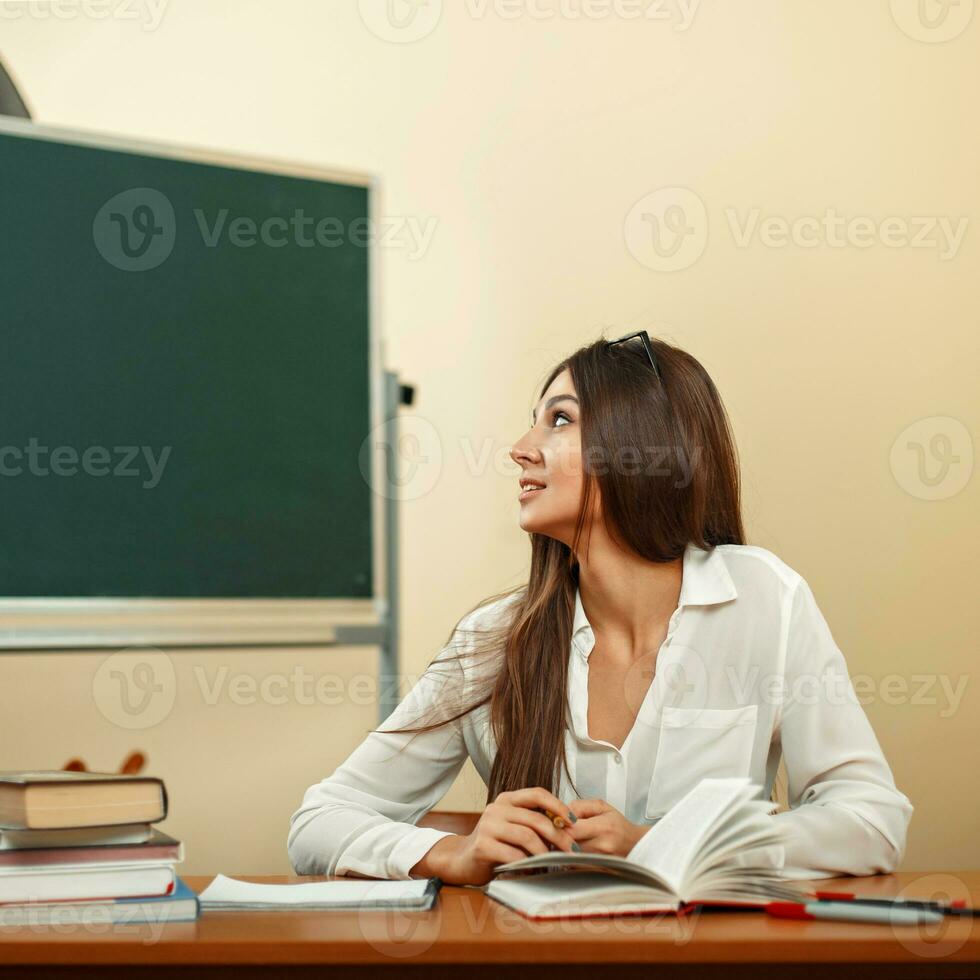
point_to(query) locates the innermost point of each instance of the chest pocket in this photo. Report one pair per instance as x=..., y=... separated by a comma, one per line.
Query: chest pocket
x=696, y=744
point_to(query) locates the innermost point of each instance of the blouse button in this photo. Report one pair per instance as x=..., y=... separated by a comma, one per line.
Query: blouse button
x=617, y=758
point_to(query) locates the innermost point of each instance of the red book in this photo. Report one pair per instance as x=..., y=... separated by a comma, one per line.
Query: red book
x=159, y=847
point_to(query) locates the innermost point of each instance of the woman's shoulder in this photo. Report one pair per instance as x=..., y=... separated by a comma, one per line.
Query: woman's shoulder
x=492, y=613
x=753, y=565
x=476, y=645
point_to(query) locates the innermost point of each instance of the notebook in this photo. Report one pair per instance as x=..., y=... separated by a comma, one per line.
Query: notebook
x=231, y=894
x=717, y=845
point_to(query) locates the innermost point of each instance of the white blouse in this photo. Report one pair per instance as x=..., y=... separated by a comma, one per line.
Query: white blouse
x=748, y=670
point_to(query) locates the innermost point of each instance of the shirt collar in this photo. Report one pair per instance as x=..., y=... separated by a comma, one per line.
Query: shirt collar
x=705, y=580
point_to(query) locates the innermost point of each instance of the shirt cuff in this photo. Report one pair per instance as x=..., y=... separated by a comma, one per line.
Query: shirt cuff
x=411, y=849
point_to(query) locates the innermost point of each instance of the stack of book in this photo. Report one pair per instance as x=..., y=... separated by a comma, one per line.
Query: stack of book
x=81, y=847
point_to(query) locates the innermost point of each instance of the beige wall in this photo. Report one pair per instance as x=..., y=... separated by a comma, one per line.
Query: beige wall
x=529, y=141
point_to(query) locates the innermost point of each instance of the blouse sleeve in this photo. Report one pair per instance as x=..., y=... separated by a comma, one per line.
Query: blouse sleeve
x=846, y=816
x=362, y=818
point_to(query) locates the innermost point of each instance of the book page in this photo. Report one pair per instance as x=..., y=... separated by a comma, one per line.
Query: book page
x=557, y=861
x=735, y=836
x=577, y=893
x=672, y=844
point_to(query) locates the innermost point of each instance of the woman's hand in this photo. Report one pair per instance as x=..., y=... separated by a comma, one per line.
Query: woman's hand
x=602, y=829
x=509, y=829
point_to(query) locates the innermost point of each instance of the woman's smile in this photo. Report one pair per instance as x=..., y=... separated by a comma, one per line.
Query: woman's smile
x=529, y=487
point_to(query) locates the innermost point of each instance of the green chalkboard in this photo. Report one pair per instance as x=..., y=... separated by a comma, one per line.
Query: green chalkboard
x=184, y=377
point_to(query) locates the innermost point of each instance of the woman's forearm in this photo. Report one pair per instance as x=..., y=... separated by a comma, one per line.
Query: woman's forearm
x=437, y=861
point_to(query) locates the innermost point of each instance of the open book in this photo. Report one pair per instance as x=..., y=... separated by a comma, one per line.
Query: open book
x=716, y=845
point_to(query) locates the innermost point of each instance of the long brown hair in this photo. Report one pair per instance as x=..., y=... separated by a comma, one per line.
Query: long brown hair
x=664, y=459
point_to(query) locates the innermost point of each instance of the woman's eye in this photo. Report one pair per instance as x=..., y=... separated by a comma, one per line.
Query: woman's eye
x=559, y=415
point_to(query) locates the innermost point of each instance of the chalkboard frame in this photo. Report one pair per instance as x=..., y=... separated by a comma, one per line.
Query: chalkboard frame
x=49, y=623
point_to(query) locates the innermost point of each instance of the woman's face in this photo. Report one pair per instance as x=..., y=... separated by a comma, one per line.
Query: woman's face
x=550, y=453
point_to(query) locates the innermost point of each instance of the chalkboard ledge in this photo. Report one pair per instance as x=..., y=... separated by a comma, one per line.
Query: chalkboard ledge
x=60, y=624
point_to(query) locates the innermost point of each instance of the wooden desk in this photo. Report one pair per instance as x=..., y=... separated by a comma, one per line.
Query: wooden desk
x=468, y=935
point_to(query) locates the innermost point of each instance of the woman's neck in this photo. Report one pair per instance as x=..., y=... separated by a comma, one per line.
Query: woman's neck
x=627, y=598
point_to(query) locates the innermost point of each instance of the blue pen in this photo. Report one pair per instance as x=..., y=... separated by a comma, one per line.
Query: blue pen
x=849, y=912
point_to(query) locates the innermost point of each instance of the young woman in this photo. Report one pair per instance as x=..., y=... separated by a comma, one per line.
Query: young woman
x=650, y=648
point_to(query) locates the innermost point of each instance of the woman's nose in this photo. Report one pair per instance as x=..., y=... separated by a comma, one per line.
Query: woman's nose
x=520, y=451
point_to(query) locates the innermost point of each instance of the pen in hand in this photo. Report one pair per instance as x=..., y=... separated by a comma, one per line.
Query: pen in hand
x=559, y=822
